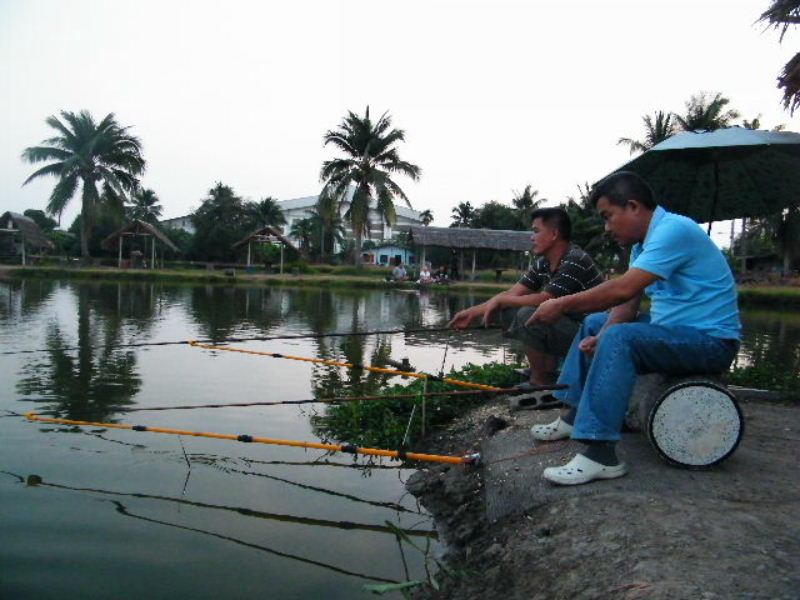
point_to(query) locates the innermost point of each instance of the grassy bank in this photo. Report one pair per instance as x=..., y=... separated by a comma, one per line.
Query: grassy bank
x=342, y=277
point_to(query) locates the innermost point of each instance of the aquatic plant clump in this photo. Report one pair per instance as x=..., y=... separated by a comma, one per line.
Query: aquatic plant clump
x=384, y=423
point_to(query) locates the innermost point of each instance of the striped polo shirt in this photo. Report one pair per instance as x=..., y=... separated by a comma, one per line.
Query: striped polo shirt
x=575, y=273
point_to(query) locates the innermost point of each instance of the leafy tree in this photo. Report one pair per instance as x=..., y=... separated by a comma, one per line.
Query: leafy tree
x=707, y=113
x=588, y=229
x=303, y=231
x=90, y=153
x=267, y=213
x=780, y=15
x=144, y=206
x=495, y=215
x=426, y=216
x=525, y=203
x=463, y=215
x=44, y=222
x=756, y=124
x=371, y=158
x=658, y=128
x=222, y=220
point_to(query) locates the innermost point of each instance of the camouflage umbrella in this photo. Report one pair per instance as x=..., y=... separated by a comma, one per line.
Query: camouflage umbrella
x=724, y=174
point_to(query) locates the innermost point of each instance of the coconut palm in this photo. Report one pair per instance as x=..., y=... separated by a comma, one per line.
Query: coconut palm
x=658, y=128
x=267, y=213
x=144, y=205
x=303, y=231
x=525, y=203
x=90, y=153
x=706, y=113
x=463, y=215
x=371, y=158
x=426, y=216
x=780, y=15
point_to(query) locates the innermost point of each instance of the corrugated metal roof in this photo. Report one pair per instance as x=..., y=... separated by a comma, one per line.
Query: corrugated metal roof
x=458, y=237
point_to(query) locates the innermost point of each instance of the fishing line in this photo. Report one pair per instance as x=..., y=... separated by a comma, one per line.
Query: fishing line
x=273, y=337
x=332, y=400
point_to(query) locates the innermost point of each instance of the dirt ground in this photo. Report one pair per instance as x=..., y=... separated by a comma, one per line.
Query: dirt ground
x=660, y=532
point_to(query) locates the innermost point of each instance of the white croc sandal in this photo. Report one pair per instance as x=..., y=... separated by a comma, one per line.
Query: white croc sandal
x=582, y=470
x=557, y=430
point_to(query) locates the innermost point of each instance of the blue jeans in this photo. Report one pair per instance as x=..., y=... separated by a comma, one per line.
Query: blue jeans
x=600, y=387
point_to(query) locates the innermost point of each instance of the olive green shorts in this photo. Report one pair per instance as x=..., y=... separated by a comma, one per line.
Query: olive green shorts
x=550, y=338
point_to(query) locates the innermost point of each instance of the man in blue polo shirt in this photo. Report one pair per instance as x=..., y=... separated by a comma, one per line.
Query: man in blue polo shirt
x=693, y=325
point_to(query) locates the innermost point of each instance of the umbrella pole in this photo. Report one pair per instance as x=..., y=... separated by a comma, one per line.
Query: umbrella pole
x=716, y=196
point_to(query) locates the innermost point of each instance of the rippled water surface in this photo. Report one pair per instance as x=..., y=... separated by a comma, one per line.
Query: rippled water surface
x=97, y=512
x=118, y=514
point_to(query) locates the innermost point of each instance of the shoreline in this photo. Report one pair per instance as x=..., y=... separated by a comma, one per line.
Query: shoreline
x=749, y=294
x=660, y=532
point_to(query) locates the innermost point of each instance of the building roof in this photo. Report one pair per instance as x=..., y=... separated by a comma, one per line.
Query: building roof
x=137, y=227
x=311, y=201
x=34, y=236
x=480, y=239
x=265, y=231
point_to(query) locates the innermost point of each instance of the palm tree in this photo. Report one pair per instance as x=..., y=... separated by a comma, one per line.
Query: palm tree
x=426, y=216
x=267, y=213
x=780, y=15
x=526, y=203
x=144, y=205
x=303, y=231
x=370, y=160
x=91, y=153
x=704, y=113
x=657, y=130
x=463, y=215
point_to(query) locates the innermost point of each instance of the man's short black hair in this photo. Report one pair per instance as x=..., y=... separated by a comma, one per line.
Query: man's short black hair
x=555, y=218
x=621, y=187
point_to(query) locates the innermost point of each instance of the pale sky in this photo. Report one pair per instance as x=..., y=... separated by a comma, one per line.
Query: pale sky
x=493, y=95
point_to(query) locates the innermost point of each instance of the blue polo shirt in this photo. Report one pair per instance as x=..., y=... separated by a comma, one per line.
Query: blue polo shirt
x=696, y=286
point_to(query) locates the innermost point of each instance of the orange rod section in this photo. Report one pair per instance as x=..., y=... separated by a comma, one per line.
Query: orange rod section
x=478, y=386
x=261, y=440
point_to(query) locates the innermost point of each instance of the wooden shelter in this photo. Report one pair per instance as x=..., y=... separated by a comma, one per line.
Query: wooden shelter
x=460, y=238
x=265, y=235
x=24, y=233
x=140, y=228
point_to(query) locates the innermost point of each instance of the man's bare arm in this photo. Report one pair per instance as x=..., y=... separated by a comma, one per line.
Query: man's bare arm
x=614, y=293
x=516, y=293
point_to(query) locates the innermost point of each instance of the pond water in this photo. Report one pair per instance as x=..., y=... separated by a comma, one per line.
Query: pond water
x=105, y=513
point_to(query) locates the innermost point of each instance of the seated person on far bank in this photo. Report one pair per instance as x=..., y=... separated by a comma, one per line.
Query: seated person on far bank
x=562, y=269
x=693, y=325
x=440, y=276
x=399, y=273
x=425, y=275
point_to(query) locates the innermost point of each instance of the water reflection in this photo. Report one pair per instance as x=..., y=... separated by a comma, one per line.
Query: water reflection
x=771, y=338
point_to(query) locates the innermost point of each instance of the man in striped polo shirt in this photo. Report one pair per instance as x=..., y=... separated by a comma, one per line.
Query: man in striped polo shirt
x=562, y=269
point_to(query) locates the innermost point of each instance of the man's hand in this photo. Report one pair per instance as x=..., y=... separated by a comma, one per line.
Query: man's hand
x=489, y=310
x=549, y=311
x=588, y=345
x=464, y=318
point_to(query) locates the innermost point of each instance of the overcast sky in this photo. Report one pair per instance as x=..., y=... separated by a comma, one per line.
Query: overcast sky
x=493, y=95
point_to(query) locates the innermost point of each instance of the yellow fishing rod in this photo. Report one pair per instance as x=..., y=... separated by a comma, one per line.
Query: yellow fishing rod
x=468, y=459
x=478, y=386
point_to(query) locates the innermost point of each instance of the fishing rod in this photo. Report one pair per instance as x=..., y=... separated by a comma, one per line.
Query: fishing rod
x=467, y=459
x=427, y=376
x=299, y=336
x=331, y=400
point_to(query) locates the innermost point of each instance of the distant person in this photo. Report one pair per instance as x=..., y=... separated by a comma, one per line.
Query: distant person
x=425, y=276
x=440, y=276
x=693, y=325
x=399, y=273
x=562, y=269
x=454, y=275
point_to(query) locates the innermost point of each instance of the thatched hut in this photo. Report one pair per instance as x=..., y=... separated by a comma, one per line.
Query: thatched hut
x=265, y=235
x=138, y=228
x=462, y=239
x=21, y=233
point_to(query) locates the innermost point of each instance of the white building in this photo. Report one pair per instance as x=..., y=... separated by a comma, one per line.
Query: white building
x=183, y=223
